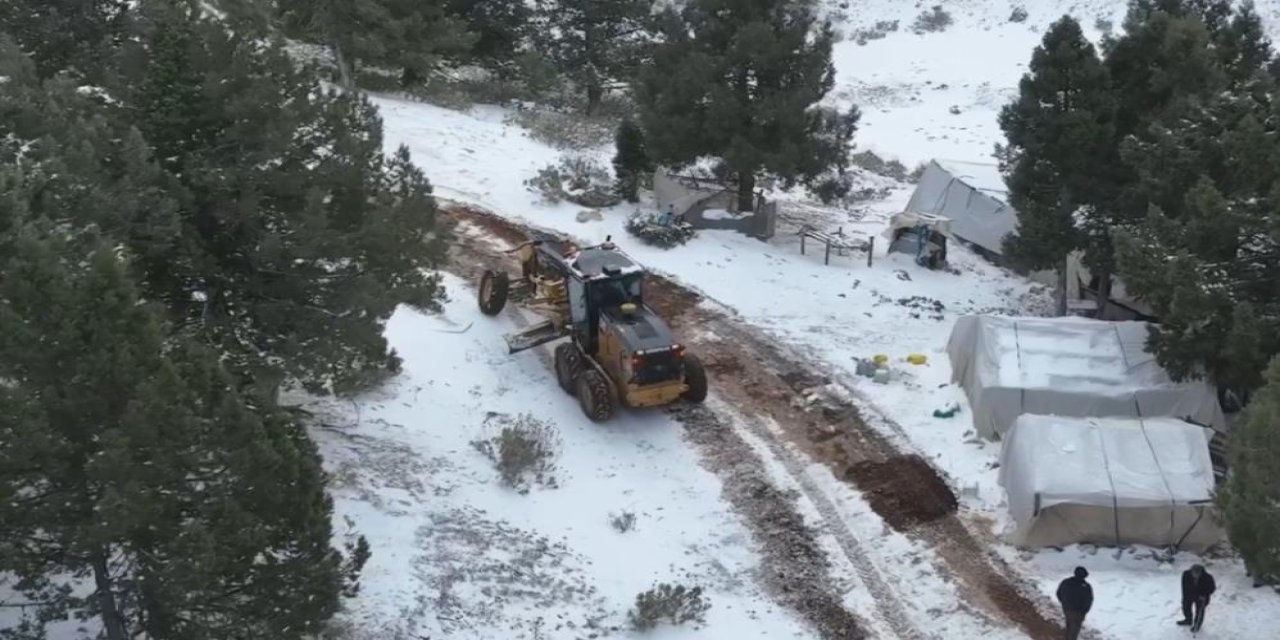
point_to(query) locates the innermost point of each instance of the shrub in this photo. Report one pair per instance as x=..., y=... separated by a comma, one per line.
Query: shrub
x=1019, y=14
x=575, y=179
x=932, y=21
x=673, y=604
x=916, y=173
x=881, y=29
x=647, y=229
x=872, y=162
x=562, y=130
x=623, y=522
x=522, y=450
x=1103, y=25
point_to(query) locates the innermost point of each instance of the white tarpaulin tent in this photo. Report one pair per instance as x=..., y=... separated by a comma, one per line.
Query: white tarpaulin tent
x=1069, y=367
x=1111, y=481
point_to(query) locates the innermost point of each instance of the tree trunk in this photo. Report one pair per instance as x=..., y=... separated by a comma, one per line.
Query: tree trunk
x=112, y=620
x=595, y=94
x=1103, y=293
x=346, y=75
x=746, y=191
x=1062, y=288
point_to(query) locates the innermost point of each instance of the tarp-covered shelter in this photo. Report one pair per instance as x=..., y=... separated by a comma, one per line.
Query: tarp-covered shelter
x=1069, y=367
x=972, y=196
x=1109, y=481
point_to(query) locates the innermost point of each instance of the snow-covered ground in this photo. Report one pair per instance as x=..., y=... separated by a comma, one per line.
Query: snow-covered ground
x=456, y=554
x=906, y=85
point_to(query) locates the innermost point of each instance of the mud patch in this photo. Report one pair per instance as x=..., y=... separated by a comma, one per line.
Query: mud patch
x=904, y=490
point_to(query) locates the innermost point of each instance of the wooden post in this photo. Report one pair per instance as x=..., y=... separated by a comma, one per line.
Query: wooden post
x=871, y=250
x=826, y=259
x=802, y=235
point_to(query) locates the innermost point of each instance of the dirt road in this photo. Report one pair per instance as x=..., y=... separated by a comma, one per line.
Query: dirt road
x=757, y=376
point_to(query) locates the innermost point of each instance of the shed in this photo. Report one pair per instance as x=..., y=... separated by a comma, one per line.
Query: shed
x=1109, y=481
x=972, y=196
x=1009, y=366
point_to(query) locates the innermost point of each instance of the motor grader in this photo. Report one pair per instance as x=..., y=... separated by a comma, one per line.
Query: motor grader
x=619, y=350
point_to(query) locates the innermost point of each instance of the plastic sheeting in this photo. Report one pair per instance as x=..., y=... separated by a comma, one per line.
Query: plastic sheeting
x=972, y=196
x=1112, y=481
x=1068, y=367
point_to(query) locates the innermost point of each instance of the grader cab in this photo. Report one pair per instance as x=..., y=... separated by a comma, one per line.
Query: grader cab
x=619, y=350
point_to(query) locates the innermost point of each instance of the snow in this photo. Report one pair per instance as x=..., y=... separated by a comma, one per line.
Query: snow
x=446, y=536
x=906, y=85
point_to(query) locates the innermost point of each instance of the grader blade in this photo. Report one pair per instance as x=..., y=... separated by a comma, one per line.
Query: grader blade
x=538, y=334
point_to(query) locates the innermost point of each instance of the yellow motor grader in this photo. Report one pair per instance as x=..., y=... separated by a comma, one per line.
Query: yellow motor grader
x=619, y=350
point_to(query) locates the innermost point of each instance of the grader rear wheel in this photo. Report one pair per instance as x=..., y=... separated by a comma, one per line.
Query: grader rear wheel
x=494, y=287
x=595, y=395
x=568, y=362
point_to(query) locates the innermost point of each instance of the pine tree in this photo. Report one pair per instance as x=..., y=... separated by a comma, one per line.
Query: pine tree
x=411, y=37
x=501, y=28
x=1250, y=500
x=302, y=235
x=1204, y=166
x=594, y=42
x=1059, y=130
x=72, y=36
x=631, y=160
x=132, y=461
x=740, y=80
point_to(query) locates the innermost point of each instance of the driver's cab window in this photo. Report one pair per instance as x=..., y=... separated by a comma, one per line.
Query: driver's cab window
x=613, y=293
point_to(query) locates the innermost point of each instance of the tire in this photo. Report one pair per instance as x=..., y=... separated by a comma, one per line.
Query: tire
x=696, y=377
x=568, y=362
x=494, y=287
x=595, y=395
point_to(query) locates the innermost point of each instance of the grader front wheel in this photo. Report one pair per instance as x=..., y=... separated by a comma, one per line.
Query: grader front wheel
x=568, y=361
x=696, y=377
x=494, y=287
x=594, y=395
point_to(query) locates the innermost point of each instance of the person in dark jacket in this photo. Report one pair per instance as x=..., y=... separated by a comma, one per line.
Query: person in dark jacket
x=1197, y=586
x=1076, y=597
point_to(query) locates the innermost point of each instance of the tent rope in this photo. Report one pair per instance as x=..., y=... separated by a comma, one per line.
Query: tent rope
x=1106, y=463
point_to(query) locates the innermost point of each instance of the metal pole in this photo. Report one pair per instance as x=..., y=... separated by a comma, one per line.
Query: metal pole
x=802, y=234
x=871, y=250
x=826, y=259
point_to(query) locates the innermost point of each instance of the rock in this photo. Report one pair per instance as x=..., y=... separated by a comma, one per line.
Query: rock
x=587, y=215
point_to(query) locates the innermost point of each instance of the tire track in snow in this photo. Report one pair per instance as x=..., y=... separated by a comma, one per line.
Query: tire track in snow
x=886, y=598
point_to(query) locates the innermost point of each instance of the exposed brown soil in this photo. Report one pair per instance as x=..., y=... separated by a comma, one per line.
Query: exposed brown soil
x=904, y=490
x=757, y=376
x=793, y=567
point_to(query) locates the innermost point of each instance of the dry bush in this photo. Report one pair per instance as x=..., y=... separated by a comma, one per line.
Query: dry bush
x=623, y=522
x=932, y=21
x=577, y=179
x=523, y=450
x=562, y=130
x=673, y=604
x=881, y=29
x=875, y=164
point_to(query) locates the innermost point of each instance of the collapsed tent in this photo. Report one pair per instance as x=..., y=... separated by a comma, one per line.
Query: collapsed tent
x=1111, y=481
x=1068, y=367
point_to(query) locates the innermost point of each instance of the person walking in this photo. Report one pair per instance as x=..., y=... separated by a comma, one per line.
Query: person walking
x=1076, y=597
x=1197, y=586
